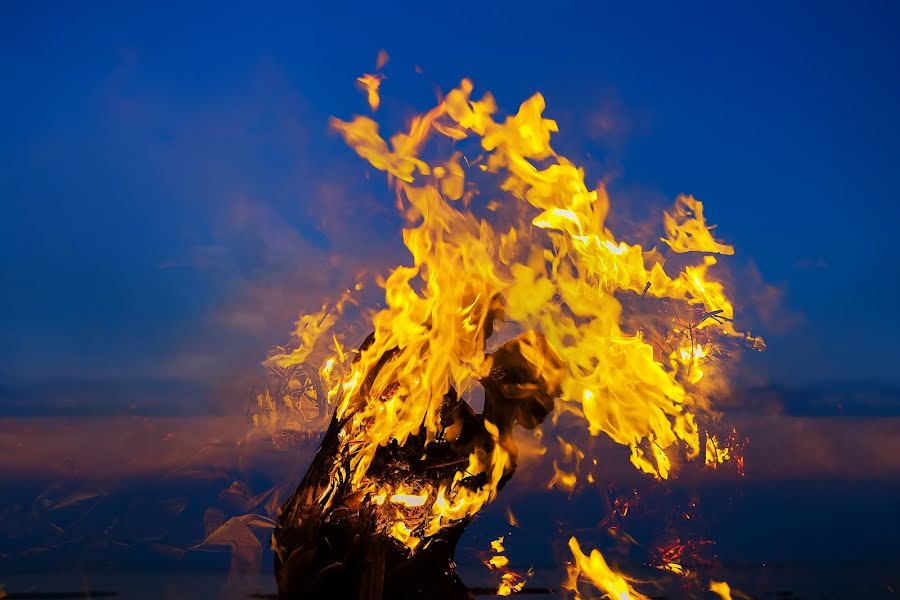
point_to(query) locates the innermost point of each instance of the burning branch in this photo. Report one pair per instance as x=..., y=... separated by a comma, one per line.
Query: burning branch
x=398, y=542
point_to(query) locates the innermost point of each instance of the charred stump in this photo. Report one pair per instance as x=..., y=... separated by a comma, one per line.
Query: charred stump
x=342, y=551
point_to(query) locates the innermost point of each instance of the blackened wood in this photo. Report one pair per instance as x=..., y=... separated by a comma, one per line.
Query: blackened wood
x=338, y=553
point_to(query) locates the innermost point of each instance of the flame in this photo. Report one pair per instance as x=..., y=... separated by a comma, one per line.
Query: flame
x=594, y=569
x=558, y=273
x=402, y=495
x=309, y=329
x=686, y=229
x=370, y=83
x=722, y=589
x=498, y=561
x=510, y=581
x=716, y=454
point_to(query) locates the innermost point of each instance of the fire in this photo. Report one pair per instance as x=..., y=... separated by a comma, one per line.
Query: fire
x=686, y=230
x=557, y=274
x=409, y=499
x=594, y=569
x=510, y=581
x=370, y=84
x=720, y=588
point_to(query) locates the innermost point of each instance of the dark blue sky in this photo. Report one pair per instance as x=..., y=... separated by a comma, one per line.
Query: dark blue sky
x=172, y=196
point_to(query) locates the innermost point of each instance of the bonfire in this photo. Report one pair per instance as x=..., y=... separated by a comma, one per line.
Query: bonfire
x=520, y=296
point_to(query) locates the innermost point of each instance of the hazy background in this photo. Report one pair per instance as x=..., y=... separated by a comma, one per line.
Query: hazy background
x=172, y=199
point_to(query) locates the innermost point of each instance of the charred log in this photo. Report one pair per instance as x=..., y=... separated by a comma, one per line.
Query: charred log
x=342, y=552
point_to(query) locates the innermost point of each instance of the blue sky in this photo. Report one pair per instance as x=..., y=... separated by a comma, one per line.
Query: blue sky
x=172, y=196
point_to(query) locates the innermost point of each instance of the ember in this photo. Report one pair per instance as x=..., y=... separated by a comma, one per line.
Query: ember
x=615, y=336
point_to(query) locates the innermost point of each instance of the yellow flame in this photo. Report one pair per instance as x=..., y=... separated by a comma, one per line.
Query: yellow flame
x=401, y=533
x=558, y=273
x=722, y=589
x=308, y=330
x=510, y=581
x=686, y=229
x=594, y=569
x=370, y=83
x=716, y=454
x=498, y=561
x=409, y=499
x=561, y=479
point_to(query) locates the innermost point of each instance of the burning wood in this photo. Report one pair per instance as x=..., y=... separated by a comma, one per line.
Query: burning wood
x=385, y=549
x=406, y=463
